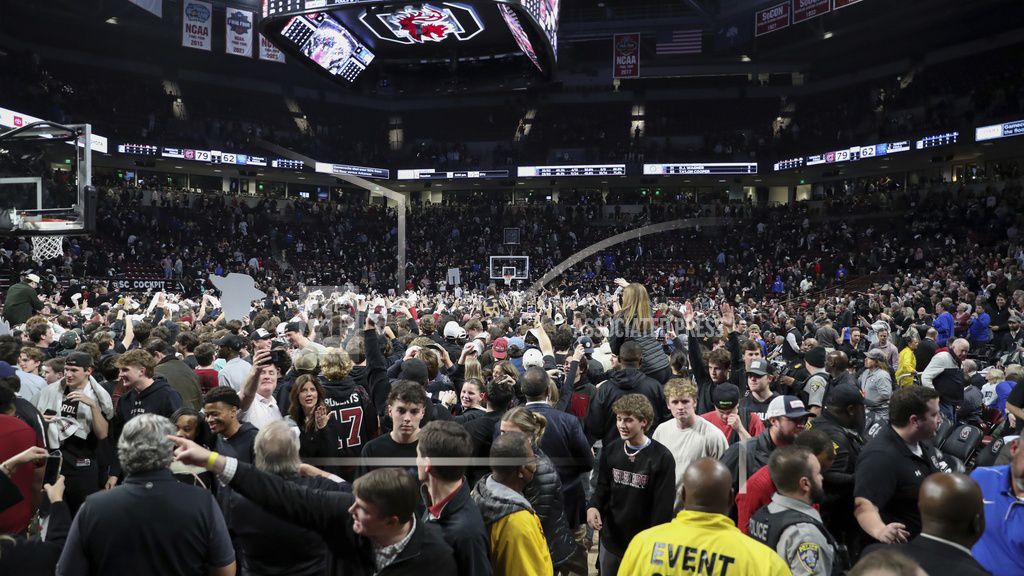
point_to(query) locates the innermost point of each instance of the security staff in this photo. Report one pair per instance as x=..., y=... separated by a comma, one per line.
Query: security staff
x=843, y=421
x=701, y=539
x=789, y=524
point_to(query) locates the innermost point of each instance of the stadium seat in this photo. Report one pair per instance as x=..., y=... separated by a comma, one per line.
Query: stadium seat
x=988, y=456
x=963, y=442
x=945, y=427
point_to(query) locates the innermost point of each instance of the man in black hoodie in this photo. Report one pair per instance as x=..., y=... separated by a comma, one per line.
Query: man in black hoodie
x=147, y=393
x=627, y=379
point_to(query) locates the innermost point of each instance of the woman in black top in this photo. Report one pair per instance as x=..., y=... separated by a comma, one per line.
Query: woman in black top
x=318, y=433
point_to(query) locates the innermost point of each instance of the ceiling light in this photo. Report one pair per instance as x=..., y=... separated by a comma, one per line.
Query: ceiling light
x=744, y=58
x=826, y=35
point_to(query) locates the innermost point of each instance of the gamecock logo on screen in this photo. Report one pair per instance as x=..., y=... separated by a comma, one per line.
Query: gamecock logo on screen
x=425, y=23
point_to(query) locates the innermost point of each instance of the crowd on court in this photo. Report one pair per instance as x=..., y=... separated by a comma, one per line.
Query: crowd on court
x=507, y=432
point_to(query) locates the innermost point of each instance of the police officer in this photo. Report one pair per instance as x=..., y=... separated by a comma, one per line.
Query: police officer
x=701, y=539
x=790, y=524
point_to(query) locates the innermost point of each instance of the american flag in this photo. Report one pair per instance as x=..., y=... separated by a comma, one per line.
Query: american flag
x=678, y=42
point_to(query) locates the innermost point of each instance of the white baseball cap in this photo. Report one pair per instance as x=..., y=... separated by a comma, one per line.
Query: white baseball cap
x=32, y=278
x=453, y=330
x=533, y=357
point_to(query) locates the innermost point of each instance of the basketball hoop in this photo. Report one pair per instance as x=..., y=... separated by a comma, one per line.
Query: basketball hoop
x=47, y=247
x=507, y=278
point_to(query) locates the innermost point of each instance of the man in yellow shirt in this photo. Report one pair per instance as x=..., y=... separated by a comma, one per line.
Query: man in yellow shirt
x=701, y=539
x=517, y=543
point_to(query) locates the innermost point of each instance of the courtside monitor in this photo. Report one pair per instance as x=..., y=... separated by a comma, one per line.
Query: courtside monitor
x=345, y=38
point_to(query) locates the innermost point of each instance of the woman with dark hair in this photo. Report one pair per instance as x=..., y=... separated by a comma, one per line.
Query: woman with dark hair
x=192, y=425
x=319, y=434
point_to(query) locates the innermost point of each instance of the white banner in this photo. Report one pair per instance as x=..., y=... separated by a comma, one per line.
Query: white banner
x=269, y=52
x=196, y=22
x=155, y=7
x=238, y=31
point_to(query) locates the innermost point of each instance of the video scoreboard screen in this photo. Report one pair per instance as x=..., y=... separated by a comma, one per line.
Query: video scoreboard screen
x=286, y=164
x=431, y=174
x=572, y=170
x=138, y=149
x=997, y=131
x=328, y=44
x=694, y=168
x=348, y=170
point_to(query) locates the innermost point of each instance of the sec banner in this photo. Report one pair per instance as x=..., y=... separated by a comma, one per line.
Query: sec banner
x=269, y=52
x=837, y=4
x=626, y=56
x=238, y=25
x=807, y=9
x=195, y=24
x=771, y=19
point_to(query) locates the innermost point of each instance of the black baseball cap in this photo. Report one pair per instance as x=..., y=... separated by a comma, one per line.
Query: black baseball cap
x=261, y=334
x=79, y=359
x=587, y=343
x=844, y=394
x=299, y=327
x=725, y=396
x=760, y=366
x=231, y=341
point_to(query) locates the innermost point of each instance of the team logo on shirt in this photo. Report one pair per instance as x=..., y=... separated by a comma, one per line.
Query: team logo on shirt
x=809, y=553
x=631, y=479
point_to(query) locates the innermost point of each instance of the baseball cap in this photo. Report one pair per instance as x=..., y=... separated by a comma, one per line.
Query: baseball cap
x=69, y=340
x=500, y=349
x=32, y=278
x=295, y=327
x=533, y=357
x=453, y=330
x=231, y=341
x=816, y=357
x=788, y=406
x=414, y=369
x=517, y=342
x=478, y=346
x=6, y=370
x=306, y=360
x=261, y=334
x=725, y=396
x=559, y=319
x=760, y=366
x=587, y=343
x=844, y=394
x=79, y=359
x=876, y=354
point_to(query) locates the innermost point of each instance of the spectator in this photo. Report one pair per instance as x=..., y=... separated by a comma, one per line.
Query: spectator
x=205, y=354
x=999, y=549
x=234, y=437
x=634, y=484
x=182, y=531
x=177, y=373
x=236, y=370
x=945, y=375
x=787, y=417
x=627, y=379
x=687, y=436
x=21, y=300
x=727, y=417
x=407, y=402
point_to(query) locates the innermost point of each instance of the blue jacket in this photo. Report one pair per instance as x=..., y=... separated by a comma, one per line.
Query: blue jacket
x=978, y=330
x=944, y=324
x=999, y=549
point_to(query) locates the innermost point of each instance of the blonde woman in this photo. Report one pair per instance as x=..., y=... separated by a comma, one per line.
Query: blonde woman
x=634, y=321
x=347, y=402
x=544, y=492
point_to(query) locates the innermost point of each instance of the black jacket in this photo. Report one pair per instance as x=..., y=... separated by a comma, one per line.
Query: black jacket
x=160, y=398
x=326, y=513
x=758, y=449
x=938, y=557
x=601, y=419
x=545, y=495
x=374, y=376
x=923, y=355
x=837, y=509
x=463, y=530
x=276, y=547
x=32, y=557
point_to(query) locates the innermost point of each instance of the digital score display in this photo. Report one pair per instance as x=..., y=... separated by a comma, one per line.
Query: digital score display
x=937, y=140
x=700, y=168
x=788, y=164
x=138, y=149
x=286, y=164
x=997, y=131
x=348, y=170
x=572, y=170
x=431, y=174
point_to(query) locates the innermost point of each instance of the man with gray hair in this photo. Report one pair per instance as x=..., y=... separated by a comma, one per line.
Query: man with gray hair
x=272, y=545
x=151, y=524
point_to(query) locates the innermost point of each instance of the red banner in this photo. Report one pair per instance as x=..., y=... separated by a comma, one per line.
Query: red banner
x=837, y=4
x=626, y=56
x=771, y=19
x=807, y=9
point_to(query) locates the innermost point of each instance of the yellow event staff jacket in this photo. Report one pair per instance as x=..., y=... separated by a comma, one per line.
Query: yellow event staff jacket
x=699, y=543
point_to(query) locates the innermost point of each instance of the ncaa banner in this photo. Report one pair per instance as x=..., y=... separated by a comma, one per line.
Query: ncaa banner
x=196, y=21
x=238, y=32
x=626, y=56
x=269, y=52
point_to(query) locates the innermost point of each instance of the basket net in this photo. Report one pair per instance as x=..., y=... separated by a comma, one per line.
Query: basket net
x=47, y=247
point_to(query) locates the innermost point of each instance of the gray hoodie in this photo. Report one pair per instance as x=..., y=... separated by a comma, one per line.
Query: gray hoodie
x=495, y=500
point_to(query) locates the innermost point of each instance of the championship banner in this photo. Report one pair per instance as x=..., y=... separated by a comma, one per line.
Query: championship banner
x=197, y=18
x=269, y=52
x=626, y=56
x=807, y=9
x=771, y=19
x=238, y=32
x=837, y=4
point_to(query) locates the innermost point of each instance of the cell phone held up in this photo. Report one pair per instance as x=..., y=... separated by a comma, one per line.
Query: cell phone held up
x=54, y=462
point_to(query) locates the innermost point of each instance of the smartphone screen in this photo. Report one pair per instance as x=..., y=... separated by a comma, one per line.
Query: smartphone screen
x=53, y=467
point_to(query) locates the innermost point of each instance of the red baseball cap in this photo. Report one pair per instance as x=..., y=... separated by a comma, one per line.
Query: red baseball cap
x=500, y=349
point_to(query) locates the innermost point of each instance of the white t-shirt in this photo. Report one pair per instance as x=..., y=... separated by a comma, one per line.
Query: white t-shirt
x=702, y=439
x=261, y=412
